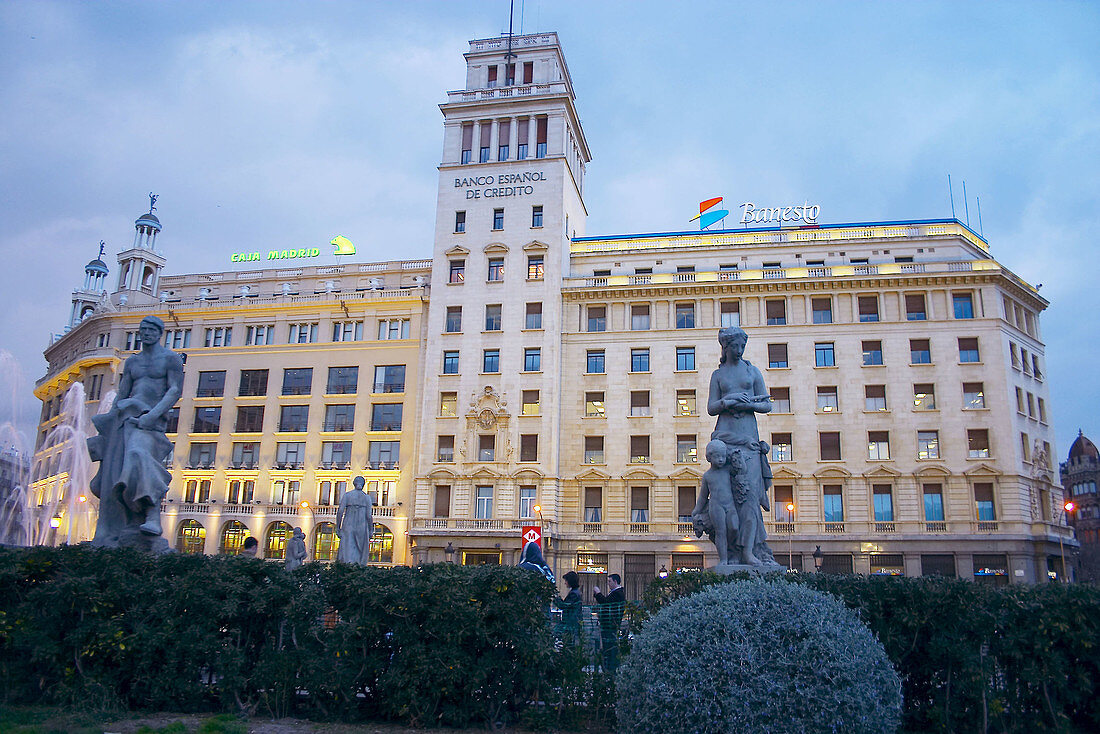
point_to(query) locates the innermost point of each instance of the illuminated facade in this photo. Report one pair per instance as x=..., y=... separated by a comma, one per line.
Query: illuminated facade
x=560, y=380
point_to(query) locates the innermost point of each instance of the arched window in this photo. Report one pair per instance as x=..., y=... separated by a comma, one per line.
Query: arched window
x=190, y=537
x=233, y=535
x=325, y=542
x=147, y=278
x=275, y=540
x=381, y=544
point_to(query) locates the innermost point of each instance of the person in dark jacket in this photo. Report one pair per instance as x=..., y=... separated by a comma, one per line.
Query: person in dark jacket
x=610, y=613
x=570, y=606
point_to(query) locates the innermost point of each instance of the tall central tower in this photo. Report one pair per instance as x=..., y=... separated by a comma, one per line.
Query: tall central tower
x=511, y=195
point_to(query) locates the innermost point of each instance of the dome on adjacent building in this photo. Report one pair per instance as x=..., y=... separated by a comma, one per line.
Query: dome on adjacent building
x=96, y=266
x=148, y=219
x=1083, y=448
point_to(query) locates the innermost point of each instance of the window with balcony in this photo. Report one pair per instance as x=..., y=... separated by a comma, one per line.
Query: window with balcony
x=207, y=420
x=593, y=405
x=529, y=447
x=540, y=137
x=339, y=418
x=928, y=444
x=445, y=449
x=342, y=381
x=302, y=334
x=335, y=454
x=914, y=307
x=784, y=496
x=241, y=491
x=527, y=502
x=832, y=504
x=448, y=404
x=297, y=381
x=211, y=384
x=387, y=329
x=450, y=362
x=593, y=504
x=250, y=419
x=973, y=395
x=639, y=403
x=639, y=317
x=968, y=350
x=868, y=308
x=775, y=310
x=639, y=360
x=685, y=402
x=829, y=444
x=386, y=416
x=823, y=355
x=597, y=318
x=984, y=510
x=920, y=351
x=827, y=400
x=293, y=418
x=173, y=426
x=201, y=455
x=822, y=310
x=490, y=361
x=457, y=271
x=595, y=362
x=872, y=353
x=197, y=490
x=730, y=313
x=529, y=402
x=289, y=454
x=441, y=507
x=924, y=396
x=387, y=453
x=963, y=304
x=686, y=449
x=487, y=447
x=535, y=267
x=777, y=356
x=878, y=445
x=493, y=317
x=874, y=397
x=533, y=316
x=593, y=450
x=977, y=443
x=246, y=454
x=685, y=315
x=685, y=358
x=883, y=498
x=639, y=504
x=389, y=378
x=532, y=359
x=782, y=447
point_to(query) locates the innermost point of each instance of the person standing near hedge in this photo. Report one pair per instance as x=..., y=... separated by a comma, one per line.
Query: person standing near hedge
x=250, y=548
x=610, y=613
x=570, y=606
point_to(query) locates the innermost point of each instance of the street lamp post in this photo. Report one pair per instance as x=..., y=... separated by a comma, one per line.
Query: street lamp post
x=818, y=555
x=449, y=552
x=1066, y=509
x=790, y=538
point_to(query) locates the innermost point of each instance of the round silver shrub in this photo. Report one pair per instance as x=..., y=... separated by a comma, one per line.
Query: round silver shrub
x=757, y=656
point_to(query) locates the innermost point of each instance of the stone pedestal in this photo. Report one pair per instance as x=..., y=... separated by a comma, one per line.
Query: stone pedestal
x=131, y=537
x=728, y=569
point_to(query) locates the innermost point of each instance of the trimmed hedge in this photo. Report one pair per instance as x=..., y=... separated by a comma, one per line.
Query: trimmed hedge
x=117, y=629
x=972, y=658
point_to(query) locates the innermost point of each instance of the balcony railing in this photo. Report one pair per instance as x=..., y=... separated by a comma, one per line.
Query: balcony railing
x=885, y=527
x=834, y=528
x=783, y=528
x=639, y=527
x=935, y=527
x=986, y=526
x=337, y=426
x=386, y=387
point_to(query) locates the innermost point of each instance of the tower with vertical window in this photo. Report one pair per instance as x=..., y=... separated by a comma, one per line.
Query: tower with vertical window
x=511, y=194
x=89, y=294
x=140, y=265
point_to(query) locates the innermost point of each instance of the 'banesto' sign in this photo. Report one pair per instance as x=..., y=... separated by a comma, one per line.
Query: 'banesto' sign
x=500, y=186
x=799, y=213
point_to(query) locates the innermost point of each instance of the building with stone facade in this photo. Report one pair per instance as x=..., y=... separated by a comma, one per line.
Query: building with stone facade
x=558, y=380
x=1080, y=476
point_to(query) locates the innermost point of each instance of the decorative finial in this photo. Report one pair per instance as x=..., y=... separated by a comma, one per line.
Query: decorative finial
x=102, y=244
x=153, y=202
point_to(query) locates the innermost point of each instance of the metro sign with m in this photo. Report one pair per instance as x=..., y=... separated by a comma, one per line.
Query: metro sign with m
x=532, y=534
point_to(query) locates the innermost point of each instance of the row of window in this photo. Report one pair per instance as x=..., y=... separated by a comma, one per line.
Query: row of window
x=536, y=264
x=1080, y=488
x=498, y=219
x=494, y=317
x=1030, y=405
x=388, y=378
x=286, y=491
x=504, y=151
x=191, y=538
x=292, y=455
x=292, y=418
x=1024, y=362
x=263, y=334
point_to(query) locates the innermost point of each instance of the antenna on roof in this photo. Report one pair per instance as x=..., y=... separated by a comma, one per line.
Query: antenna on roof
x=951, y=192
x=966, y=205
x=511, y=12
x=981, y=230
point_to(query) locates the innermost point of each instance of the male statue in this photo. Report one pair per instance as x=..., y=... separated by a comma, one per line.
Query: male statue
x=737, y=394
x=131, y=446
x=354, y=523
x=296, y=550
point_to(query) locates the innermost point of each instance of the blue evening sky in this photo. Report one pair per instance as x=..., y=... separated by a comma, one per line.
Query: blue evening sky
x=281, y=124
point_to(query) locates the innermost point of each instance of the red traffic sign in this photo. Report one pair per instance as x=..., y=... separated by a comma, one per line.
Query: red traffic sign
x=532, y=534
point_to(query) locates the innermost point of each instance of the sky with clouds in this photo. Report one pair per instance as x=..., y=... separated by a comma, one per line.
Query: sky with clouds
x=277, y=124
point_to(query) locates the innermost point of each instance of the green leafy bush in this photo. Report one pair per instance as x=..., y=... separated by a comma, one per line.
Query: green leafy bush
x=757, y=656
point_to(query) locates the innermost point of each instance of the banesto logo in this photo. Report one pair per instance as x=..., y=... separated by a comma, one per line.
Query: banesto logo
x=708, y=217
